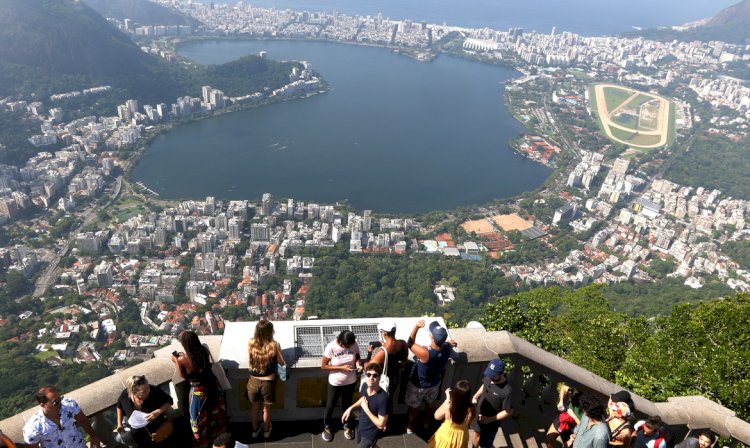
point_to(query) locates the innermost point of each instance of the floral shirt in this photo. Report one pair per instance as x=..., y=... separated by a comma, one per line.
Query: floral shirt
x=39, y=429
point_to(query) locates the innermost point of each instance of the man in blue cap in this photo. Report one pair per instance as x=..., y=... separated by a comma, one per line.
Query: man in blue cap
x=493, y=401
x=424, y=381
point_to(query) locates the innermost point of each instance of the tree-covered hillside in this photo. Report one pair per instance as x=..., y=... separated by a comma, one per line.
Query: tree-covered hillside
x=698, y=349
x=56, y=46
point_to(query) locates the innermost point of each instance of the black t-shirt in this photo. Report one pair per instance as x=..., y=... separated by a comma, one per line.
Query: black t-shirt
x=378, y=405
x=156, y=399
x=495, y=397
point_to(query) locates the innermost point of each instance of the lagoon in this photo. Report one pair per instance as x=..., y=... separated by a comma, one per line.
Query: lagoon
x=392, y=135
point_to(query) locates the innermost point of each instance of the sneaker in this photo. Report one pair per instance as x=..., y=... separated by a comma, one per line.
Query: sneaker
x=327, y=435
x=258, y=431
x=349, y=433
x=267, y=434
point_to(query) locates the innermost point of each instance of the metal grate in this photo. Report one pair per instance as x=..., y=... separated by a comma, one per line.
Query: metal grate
x=310, y=340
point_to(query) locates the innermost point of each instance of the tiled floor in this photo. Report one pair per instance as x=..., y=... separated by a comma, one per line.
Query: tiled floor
x=306, y=434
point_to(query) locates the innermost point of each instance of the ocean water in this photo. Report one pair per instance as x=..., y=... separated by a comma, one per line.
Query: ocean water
x=588, y=17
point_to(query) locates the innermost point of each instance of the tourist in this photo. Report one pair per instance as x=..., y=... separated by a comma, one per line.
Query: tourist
x=341, y=361
x=457, y=410
x=494, y=404
x=568, y=417
x=649, y=434
x=620, y=407
x=206, y=407
x=264, y=357
x=397, y=353
x=374, y=404
x=54, y=424
x=140, y=396
x=704, y=439
x=424, y=381
x=224, y=440
x=592, y=432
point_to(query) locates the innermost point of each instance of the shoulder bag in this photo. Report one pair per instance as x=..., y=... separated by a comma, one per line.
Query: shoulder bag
x=384, y=382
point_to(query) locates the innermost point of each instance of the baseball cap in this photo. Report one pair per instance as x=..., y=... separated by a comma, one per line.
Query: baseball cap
x=494, y=368
x=439, y=333
x=388, y=326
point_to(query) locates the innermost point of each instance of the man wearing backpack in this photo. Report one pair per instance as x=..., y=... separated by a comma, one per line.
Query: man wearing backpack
x=649, y=434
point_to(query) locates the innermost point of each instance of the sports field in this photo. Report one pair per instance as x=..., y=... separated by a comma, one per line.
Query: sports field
x=511, y=222
x=480, y=226
x=637, y=119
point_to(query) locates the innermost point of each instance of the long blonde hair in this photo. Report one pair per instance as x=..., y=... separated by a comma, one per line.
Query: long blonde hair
x=261, y=349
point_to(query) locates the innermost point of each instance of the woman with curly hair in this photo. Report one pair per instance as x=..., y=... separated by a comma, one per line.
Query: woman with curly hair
x=264, y=356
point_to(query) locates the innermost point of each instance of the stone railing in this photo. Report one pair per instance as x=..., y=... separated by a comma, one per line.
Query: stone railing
x=303, y=395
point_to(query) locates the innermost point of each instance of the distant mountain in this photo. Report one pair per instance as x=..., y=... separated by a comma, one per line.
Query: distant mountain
x=142, y=12
x=55, y=46
x=735, y=15
x=730, y=25
x=47, y=43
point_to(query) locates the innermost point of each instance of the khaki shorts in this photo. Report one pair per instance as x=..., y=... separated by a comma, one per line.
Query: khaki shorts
x=261, y=390
x=415, y=396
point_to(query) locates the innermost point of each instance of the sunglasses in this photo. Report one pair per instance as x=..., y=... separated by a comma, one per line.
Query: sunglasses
x=372, y=375
x=57, y=402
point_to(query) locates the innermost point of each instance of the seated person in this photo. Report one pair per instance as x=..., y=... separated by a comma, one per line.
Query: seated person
x=139, y=395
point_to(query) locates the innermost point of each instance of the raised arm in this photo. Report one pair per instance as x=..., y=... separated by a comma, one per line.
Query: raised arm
x=420, y=352
x=444, y=408
x=179, y=361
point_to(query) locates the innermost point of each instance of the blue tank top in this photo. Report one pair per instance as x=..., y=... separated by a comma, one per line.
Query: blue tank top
x=428, y=374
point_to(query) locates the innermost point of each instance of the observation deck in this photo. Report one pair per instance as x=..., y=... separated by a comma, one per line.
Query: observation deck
x=297, y=415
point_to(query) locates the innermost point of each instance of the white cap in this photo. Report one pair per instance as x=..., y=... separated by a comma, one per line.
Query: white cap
x=387, y=326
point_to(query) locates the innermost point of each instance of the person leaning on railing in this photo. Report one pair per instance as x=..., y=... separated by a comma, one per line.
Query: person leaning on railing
x=54, y=424
x=206, y=406
x=264, y=357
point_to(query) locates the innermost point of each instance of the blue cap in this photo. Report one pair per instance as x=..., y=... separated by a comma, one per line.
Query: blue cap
x=494, y=368
x=439, y=334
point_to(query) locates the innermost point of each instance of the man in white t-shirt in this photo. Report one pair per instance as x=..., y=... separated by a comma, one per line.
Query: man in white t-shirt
x=341, y=360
